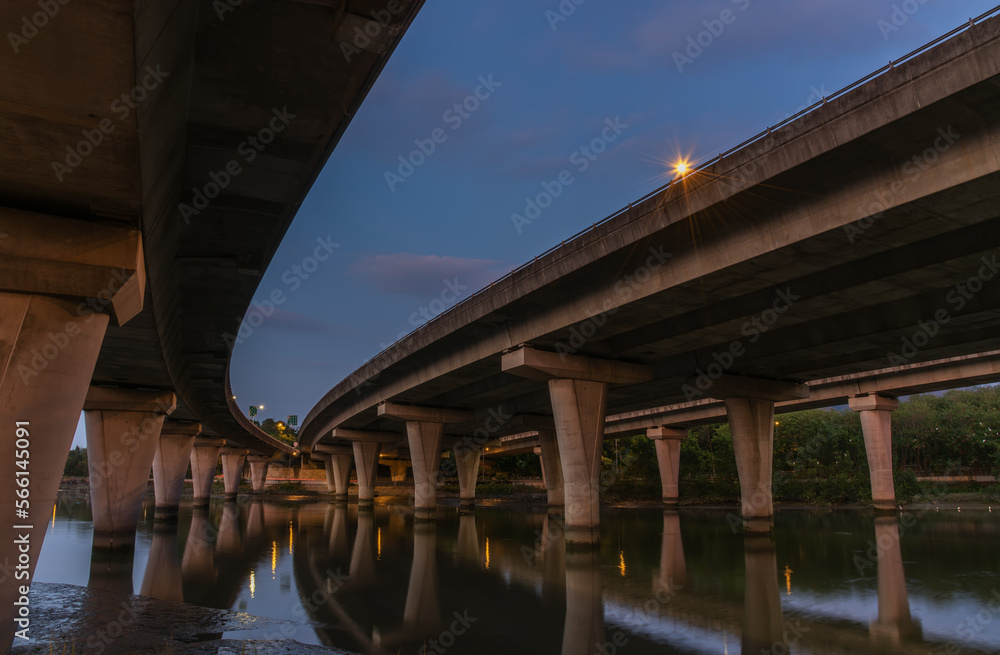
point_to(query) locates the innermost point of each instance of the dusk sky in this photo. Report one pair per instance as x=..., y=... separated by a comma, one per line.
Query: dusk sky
x=415, y=237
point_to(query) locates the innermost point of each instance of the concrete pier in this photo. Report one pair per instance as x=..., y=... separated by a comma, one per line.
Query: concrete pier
x=424, y=432
x=578, y=406
x=578, y=391
x=467, y=462
x=258, y=471
x=551, y=468
x=204, y=462
x=751, y=421
x=123, y=432
x=366, y=464
x=170, y=464
x=668, y=455
x=337, y=462
x=232, y=470
x=876, y=423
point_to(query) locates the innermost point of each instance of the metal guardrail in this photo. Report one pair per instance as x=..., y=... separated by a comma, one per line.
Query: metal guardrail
x=694, y=169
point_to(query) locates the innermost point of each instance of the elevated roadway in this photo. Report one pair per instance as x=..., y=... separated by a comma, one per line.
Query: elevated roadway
x=860, y=236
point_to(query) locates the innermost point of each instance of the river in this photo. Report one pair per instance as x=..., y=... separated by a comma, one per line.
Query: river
x=500, y=579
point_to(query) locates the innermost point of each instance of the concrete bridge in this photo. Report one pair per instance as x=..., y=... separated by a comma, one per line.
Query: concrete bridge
x=863, y=235
x=153, y=157
x=668, y=425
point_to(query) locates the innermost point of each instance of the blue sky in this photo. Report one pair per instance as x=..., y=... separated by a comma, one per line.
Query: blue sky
x=409, y=246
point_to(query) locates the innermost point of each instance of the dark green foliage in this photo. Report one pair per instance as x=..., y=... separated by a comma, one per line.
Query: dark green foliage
x=629, y=470
x=279, y=430
x=76, y=464
x=906, y=485
x=511, y=467
x=951, y=434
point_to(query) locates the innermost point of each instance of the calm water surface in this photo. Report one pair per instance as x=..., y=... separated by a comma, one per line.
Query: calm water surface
x=500, y=580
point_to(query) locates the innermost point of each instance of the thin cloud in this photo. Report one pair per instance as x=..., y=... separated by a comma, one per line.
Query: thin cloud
x=425, y=276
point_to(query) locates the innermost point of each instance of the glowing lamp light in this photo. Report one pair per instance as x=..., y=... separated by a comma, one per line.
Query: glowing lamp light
x=682, y=168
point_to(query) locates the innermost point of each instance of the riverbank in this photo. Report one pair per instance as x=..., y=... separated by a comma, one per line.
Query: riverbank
x=930, y=496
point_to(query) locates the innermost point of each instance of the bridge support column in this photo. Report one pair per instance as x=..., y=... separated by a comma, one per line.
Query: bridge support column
x=578, y=407
x=123, y=430
x=551, y=468
x=341, y=474
x=204, y=461
x=876, y=423
x=337, y=462
x=751, y=421
x=42, y=391
x=170, y=463
x=425, y=453
x=424, y=431
x=668, y=457
x=258, y=472
x=49, y=343
x=338, y=474
x=750, y=409
x=467, y=462
x=232, y=471
x=366, y=464
x=578, y=388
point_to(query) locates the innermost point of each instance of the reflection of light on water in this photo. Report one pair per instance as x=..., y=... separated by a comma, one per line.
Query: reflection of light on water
x=621, y=562
x=635, y=619
x=379, y=544
x=53, y=518
x=289, y=537
x=274, y=557
x=487, y=552
x=788, y=579
x=253, y=584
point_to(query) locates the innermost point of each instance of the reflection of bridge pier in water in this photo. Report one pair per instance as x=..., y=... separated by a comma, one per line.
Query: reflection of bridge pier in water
x=584, y=626
x=362, y=569
x=422, y=610
x=763, y=624
x=552, y=552
x=198, y=563
x=256, y=524
x=467, y=543
x=162, y=578
x=111, y=568
x=230, y=542
x=673, y=569
x=894, y=621
x=335, y=525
